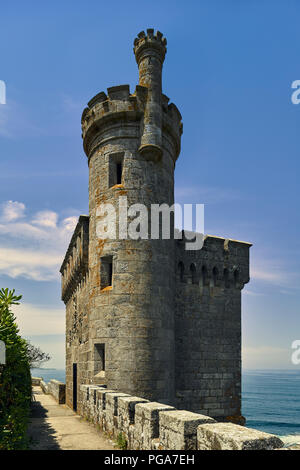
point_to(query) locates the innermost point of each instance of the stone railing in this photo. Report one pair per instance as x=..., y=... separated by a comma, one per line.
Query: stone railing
x=57, y=390
x=54, y=387
x=36, y=381
x=154, y=426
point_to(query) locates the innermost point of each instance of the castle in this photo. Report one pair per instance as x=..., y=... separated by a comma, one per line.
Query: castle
x=146, y=316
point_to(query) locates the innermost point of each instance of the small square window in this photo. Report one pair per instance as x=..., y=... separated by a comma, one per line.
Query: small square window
x=106, y=271
x=116, y=161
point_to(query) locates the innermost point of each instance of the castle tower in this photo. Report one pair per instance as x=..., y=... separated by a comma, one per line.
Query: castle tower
x=144, y=315
x=132, y=142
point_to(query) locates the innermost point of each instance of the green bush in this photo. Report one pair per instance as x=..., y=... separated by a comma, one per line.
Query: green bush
x=15, y=379
x=121, y=441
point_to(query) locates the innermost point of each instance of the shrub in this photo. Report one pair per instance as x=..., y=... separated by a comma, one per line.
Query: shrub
x=121, y=441
x=15, y=378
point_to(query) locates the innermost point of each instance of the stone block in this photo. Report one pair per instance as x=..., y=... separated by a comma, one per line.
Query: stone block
x=110, y=423
x=228, y=436
x=57, y=390
x=178, y=429
x=146, y=424
x=126, y=412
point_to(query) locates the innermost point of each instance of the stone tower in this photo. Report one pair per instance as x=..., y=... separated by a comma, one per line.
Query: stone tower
x=141, y=313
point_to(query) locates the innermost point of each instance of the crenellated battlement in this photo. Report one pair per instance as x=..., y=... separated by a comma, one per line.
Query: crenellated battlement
x=75, y=265
x=220, y=263
x=146, y=44
x=119, y=106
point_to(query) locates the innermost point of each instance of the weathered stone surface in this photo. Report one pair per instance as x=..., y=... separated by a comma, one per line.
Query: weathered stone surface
x=156, y=426
x=57, y=390
x=111, y=412
x=44, y=387
x=126, y=412
x=178, y=429
x=228, y=436
x=146, y=424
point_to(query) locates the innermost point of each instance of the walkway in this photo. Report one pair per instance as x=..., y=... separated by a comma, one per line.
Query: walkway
x=57, y=427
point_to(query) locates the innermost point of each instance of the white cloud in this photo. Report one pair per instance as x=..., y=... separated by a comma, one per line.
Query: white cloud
x=39, y=266
x=45, y=219
x=39, y=319
x=34, y=248
x=12, y=210
x=274, y=272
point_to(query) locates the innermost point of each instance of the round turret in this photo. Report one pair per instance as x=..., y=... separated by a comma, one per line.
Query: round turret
x=132, y=142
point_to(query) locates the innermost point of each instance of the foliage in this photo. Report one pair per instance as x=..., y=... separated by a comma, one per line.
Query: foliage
x=121, y=441
x=15, y=378
x=36, y=356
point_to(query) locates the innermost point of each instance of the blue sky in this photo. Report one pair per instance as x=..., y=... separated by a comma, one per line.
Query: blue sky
x=229, y=69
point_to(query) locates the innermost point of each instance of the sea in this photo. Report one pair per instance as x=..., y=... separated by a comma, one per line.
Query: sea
x=270, y=400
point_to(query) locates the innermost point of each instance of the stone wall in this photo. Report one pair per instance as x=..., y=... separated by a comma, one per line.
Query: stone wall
x=36, y=380
x=57, y=390
x=208, y=326
x=54, y=387
x=74, y=272
x=149, y=425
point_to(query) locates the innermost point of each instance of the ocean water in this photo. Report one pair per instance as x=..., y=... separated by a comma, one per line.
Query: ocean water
x=270, y=400
x=48, y=374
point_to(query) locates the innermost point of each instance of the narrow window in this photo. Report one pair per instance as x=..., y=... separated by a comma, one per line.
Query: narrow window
x=115, y=172
x=204, y=276
x=181, y=271
x=119, y=173
x=226, y=278
x=215, y=276
x=106, y=271
x=193, y=273
x=99, y=357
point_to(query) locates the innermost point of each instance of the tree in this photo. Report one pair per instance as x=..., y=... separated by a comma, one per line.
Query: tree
x=15, y=379
x=36, y=356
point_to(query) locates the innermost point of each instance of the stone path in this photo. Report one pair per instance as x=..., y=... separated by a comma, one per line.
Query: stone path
x=57, y=427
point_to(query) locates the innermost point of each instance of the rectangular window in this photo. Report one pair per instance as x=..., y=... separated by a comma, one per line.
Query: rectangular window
x=119, y=173
x=115, y=169
x=99, y=357
x=106, y=271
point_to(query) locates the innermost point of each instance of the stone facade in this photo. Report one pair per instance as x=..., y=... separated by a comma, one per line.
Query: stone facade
x=146, y=317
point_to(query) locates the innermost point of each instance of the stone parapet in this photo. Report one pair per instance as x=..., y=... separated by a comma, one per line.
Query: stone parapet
x=146, y=424
x=57, y=390
x=150, y=425
x=178, y=429
x=228, y=436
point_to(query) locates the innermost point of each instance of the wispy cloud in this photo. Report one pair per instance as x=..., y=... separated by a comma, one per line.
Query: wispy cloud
x=251, y=293
x=274, y=273
x=16, y=122
x=32, y=247
x=13, y=210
